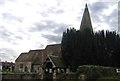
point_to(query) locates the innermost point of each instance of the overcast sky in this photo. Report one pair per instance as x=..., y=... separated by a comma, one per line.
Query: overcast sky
x=33, y=24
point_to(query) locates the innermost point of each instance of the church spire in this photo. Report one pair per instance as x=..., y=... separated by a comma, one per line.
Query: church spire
x=86, y=21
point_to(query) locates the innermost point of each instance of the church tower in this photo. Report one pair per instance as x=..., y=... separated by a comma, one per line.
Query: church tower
x=86, y=20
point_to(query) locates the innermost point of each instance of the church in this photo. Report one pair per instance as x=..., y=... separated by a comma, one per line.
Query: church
x=48, y=60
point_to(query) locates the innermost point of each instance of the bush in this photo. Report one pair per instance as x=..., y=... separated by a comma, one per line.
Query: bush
x=95, y=72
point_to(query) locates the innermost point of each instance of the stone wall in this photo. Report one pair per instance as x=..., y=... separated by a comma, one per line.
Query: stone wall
x=37, y=69
x=18, y=68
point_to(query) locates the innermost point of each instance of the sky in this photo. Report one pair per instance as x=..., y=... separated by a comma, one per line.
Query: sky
x=32, y=24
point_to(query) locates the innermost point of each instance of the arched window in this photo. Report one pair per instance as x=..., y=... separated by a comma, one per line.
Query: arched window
x=26, y=69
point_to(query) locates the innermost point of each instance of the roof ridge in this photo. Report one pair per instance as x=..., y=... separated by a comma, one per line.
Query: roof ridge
x=53, y=44
x=24, y=53
x=53, y=55
x=36, y=50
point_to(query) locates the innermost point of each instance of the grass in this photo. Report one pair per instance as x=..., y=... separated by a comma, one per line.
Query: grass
x=8, y=72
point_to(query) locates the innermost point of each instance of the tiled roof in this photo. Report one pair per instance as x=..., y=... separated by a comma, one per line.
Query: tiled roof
x=37, y=60
x=54, y=49
x=39, y=56
x=21, y=57
x=31, y=56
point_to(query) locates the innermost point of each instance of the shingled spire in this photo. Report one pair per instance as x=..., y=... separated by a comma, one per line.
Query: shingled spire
x=86, y=21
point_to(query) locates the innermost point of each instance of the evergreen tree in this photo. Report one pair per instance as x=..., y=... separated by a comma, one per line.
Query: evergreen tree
x=85, y=47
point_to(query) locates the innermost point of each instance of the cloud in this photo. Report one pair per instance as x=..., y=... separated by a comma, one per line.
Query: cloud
x=55, y=10
x=61, y=28
x=112, y=20
x=49, y=25
x=53, y=30
x=2, y=2
x=8, y=53
x=10, y=17
x=99, y=6
x=51, y=10
x=105, y=13
x=52, y=38
x=5, y=34
x=43, y=25
x=11, y=37
x=97, y=9
x=19, y=37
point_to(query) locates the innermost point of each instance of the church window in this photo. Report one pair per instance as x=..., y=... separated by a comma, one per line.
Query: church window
x=21, y=65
